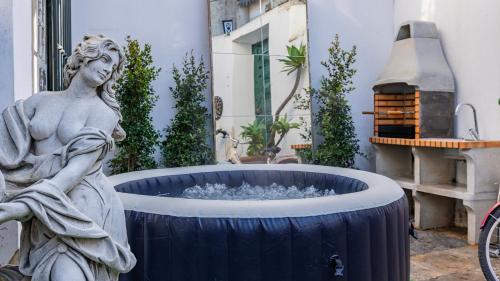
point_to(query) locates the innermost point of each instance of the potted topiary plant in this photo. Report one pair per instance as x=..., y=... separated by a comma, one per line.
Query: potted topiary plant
x=137, y=98
x=333, y=119
x=186, y=139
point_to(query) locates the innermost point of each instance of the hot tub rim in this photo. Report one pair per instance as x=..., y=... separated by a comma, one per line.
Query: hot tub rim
x=381, y=192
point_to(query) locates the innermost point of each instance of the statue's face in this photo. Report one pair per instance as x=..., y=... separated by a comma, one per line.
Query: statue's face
x=97, y=72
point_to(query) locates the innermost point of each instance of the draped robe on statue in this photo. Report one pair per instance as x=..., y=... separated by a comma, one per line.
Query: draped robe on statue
x=87, y=224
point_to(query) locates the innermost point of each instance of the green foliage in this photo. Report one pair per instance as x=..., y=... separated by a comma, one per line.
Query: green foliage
x=282, y=126
x=185, y=142
x=334, y=120
x=136, y=98
x=296, y=58
x=306, y=155
x=254, y=134
x=303, y=102
x=294, y=62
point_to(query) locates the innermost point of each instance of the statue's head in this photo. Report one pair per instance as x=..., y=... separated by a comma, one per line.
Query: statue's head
x=100, y=61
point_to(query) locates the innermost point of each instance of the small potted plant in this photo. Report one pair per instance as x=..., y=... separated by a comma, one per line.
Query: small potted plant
x=253, y=134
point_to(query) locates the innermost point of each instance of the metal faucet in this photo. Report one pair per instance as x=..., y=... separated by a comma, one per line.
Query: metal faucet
x=473, y=132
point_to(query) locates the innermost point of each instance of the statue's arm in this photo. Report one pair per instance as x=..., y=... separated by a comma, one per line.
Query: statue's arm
x=79, y=166
x=74, y=172
x=67, y=178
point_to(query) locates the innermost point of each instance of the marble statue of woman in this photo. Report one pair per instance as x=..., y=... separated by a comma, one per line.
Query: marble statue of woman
x=52, y=147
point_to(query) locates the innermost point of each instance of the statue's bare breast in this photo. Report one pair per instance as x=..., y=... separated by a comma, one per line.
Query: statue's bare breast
x=58, y=118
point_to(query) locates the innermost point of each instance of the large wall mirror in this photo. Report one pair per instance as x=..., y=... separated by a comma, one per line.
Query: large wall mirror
x=259, y=60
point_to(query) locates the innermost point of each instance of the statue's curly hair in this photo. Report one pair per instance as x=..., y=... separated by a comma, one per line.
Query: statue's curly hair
x=92, y=48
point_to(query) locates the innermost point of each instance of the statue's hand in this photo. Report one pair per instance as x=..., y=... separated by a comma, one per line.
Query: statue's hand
x=13, y=211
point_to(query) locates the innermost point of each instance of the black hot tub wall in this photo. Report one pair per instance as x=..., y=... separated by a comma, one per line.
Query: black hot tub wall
x=371, y=244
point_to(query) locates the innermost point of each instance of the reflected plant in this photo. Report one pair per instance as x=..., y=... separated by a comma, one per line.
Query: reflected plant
x=282, y=126
x=294, y=62
x=254, y=134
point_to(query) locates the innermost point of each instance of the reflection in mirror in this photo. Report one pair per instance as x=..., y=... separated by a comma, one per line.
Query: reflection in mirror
x=260, y=76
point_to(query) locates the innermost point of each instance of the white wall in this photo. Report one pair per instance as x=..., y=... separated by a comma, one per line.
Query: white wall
x=23, y=49
x=15, y=83
x=470, y=36
x=367, y=24
x=171, y=27
x=15, y=51
x=6, y=55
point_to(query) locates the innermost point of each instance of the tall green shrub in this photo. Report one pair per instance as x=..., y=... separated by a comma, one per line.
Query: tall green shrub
x=186, y=138
x=136, y=98
x=333, y=119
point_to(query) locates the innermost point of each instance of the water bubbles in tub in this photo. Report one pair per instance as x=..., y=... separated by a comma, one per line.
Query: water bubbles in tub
x=249, y=192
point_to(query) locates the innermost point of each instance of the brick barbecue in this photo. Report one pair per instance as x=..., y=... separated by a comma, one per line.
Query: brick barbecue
x=414, y=96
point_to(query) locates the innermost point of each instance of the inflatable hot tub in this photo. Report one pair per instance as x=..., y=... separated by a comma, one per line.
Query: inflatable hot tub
x=361, y=233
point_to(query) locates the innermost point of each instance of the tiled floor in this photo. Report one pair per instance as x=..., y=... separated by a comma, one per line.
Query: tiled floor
x=444, y=255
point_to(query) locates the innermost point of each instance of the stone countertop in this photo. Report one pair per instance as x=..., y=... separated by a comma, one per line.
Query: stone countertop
x=437, y=142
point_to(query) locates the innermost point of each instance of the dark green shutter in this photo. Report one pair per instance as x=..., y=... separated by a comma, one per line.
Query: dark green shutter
x=262, y=85
x=58, y=41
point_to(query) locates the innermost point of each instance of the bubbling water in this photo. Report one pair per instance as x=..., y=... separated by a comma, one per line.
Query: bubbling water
x=249, y=192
